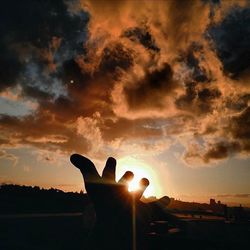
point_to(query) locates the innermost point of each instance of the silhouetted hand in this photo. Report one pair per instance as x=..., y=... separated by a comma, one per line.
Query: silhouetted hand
x=122, y=220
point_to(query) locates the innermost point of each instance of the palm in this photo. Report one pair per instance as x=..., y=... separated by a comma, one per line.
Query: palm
x=115, y=207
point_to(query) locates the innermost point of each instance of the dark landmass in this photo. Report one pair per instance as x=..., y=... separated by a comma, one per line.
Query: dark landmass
x=26, y=199
x=38, y=219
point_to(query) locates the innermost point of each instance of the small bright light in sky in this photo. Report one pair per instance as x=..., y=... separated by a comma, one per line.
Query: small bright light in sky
x=140, y=170
x=71, y=81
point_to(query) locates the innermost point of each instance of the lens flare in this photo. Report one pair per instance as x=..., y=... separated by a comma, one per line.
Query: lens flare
x=140, y=170
x=133, y=185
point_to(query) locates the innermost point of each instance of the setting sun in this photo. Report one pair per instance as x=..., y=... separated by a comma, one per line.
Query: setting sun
x=133, y=185
x=140, y=170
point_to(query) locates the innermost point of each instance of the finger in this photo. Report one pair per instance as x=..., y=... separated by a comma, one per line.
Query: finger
x=109, y=169
x=144, y=183
x=86, y=167
x=128, y=176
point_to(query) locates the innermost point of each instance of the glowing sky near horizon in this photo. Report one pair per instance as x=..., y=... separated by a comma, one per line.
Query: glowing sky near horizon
x=162, y=86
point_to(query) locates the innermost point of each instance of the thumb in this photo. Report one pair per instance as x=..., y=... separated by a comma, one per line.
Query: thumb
x=86, y=167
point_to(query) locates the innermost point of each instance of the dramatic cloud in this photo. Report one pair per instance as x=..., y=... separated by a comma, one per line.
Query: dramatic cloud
x=102, y=76
x=231, y=39
x=151, y=90
x=11, y=157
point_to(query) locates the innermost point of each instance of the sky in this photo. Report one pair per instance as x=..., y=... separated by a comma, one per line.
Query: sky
x=162, y=86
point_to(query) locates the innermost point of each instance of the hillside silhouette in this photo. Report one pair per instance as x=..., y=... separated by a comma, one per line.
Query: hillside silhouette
x=36, y=218
x=27, y=199
x=33, y=199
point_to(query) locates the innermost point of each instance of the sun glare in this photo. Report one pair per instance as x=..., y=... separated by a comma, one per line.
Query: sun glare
x=140, y=170
x=133, y=185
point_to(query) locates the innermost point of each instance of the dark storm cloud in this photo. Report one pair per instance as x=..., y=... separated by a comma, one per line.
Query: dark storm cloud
x=35, y=34
x=142, y=36
x=41, y=131
x=36, y=22
x=188, y=97
x=130, y=129
x=36, y=93
x=89, y=83
x=113, y=74
x=207, y=94
x=199, y=73
x=236, y=140
x=71, y=73
x=10, y=67
x=212, y=153
x=221, y=150
x=238, y=133
x=198, y=99
x=151, y=89
x=27, y=31
x=231, y=40
x=239, y=104
x=62, y=108
x=115, y=56
x=239, y=130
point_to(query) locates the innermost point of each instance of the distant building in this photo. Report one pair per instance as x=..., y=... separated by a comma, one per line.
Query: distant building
x=212, y=202
x=218, y=208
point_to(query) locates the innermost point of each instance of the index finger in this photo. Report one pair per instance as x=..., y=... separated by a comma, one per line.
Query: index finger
x=109, y=169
